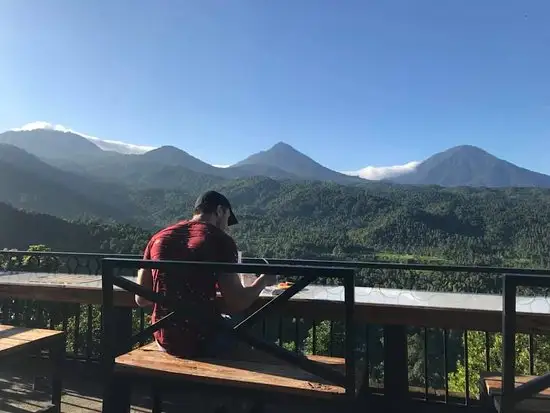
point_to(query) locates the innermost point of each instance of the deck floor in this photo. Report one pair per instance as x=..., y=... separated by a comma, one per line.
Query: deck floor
x=82, y=392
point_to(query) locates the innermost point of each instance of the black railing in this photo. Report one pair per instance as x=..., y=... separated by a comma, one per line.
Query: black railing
x=510, y=394
x=443, y=361
x=81, y=321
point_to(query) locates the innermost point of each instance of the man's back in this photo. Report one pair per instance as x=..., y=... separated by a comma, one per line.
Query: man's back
x=188, y=241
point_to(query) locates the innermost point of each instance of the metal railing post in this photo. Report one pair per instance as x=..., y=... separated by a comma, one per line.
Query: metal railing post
x=508, y=343
x=349, y=297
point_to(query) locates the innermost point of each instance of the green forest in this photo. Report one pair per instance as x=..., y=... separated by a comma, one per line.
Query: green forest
x=319, y=220
x=323, y=220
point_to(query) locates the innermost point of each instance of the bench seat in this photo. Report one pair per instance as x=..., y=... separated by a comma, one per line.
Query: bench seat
x=148, y=361
x=15, y=340
x=18, y=342
x=490, y=384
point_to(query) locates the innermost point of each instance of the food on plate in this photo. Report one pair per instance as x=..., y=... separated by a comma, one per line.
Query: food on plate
x=284, y=285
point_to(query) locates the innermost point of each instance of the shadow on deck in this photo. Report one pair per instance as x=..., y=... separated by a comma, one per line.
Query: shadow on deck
x=20, y=392
x=83, y=391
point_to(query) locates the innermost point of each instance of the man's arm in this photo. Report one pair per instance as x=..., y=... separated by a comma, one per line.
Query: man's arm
x=145, y=279
x=238, y=298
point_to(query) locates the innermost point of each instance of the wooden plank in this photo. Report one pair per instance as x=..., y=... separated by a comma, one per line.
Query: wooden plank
x=450, y=318
x=58, y=287
x=149, y=361
x=66, y=294
x=491, y=390
x=63, y=279
x=493, y=385
x=18, y=339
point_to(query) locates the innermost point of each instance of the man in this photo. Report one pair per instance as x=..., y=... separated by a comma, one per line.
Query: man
x=202, y=238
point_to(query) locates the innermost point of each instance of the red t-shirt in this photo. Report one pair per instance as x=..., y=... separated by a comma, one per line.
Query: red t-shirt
x=187, y=241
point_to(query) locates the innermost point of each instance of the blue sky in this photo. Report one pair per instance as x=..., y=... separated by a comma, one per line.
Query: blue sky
x=349, y=83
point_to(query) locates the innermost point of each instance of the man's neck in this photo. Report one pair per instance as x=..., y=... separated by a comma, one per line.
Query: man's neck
x=202, y=218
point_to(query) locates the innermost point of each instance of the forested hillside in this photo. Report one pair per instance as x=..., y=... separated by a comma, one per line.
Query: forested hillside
x=319, y=219
x=20, y=229
x=462, y=225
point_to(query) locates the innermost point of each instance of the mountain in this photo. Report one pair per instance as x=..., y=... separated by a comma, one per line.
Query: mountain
x=51, y=144
x=106, y=145
x=256, y=170
x=175, y=157
x=284, y=157
x=20, y=229
x=471, y=166
x=171, y=168
x=172, y=156
x=165, y=167
x=138, y=173
x=119, y=147
x=28, y=182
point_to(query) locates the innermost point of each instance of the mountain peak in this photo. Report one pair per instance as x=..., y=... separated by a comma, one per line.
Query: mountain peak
x=103, y=144
x=51, y=144
x=467, y=149
x=291, y=161
x=167, y=149
x=468, y=165
x=170, y=155
x=282, y=145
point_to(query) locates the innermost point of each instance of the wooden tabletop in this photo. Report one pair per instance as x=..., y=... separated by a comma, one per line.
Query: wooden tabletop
x=375, y=305
x=59, y=287
x=20, y=339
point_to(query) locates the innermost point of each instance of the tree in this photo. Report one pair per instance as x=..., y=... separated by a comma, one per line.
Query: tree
x=478, y=343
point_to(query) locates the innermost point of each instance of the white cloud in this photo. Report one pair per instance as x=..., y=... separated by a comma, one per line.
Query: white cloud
x=377, y=173
x=106, y=145
x=221, y=166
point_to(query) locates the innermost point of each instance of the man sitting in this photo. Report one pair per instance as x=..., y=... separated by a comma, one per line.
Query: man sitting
x=202, y=238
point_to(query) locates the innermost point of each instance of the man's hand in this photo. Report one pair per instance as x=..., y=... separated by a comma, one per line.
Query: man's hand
x=268, y=279
x=238, y=298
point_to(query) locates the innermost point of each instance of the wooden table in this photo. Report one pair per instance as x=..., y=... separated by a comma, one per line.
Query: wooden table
x=395, y=309
x=480, y=312
x=68, y=288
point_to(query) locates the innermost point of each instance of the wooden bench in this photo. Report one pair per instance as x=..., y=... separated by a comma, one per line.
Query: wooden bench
x=18, y=342
x=490, y=390
x=150, y=365
x=244, y=380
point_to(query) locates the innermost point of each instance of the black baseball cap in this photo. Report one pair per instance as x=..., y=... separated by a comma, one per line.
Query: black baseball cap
x=214, y=198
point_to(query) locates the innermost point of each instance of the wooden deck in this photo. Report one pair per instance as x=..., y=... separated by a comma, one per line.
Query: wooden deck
x=82, y=392
x=391, y=308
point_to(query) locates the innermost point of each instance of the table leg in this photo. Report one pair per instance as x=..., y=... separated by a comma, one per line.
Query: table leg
x=157, y=401
x=117, y=394
x=396, y=371
x=57, y=354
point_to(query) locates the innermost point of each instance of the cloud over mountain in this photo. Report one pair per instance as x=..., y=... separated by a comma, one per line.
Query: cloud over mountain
x=377, y=173
x=106, y=145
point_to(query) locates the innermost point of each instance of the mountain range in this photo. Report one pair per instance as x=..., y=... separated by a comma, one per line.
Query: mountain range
x=287, y=203
x=169, y=167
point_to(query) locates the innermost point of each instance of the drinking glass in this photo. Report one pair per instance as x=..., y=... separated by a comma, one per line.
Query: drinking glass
x=246, y=279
